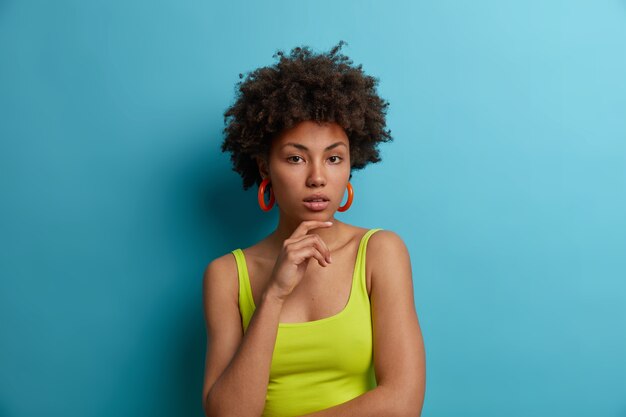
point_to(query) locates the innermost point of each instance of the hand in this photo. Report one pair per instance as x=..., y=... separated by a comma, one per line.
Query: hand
x=295, y=255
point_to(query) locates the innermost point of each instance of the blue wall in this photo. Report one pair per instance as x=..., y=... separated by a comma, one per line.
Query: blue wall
x=506, y=178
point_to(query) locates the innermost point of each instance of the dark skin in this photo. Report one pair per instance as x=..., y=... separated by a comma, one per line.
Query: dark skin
x=303, y=272
x=312, y=86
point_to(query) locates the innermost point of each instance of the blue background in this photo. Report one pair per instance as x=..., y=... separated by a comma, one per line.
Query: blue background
x=506, y=178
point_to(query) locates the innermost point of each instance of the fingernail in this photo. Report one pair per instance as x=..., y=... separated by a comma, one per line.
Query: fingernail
x=329, y=222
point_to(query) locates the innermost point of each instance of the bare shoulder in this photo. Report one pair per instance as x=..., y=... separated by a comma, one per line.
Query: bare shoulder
x=224, y=264
x=220, y=278
x=386, y=252
x=222, y=317
x=385, y=243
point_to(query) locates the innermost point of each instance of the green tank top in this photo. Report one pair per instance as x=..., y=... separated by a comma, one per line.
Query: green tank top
x=322, y=363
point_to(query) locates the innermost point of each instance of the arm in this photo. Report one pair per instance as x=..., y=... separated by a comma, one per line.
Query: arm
x=237, y=366
x=399, y=355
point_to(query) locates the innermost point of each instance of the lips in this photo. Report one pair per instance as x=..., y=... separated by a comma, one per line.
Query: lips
x=317, y=198
x=316, y=202
x=316, y=205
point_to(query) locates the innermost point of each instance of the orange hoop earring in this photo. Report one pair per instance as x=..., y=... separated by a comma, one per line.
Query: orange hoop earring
x=261, y=196
x=350, y=197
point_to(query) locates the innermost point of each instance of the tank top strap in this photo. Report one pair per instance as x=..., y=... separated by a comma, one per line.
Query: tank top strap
x=360, y=261
x=246, y=302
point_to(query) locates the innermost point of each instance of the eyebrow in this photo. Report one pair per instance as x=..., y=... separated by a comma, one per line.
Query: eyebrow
x=304, y=148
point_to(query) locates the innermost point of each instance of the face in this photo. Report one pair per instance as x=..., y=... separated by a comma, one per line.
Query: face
x=309, y=169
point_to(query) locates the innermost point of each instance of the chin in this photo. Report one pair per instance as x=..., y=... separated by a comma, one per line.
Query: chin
x=302, y=214
x=323, y=216
x=319, y=215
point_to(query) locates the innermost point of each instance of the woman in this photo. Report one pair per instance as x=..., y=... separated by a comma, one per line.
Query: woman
x=317, y=318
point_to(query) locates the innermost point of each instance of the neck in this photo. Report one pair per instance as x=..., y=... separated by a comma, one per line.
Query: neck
x=286, y=226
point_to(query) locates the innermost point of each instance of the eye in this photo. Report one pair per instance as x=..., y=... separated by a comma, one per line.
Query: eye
x=336, y=159
x=291, y=159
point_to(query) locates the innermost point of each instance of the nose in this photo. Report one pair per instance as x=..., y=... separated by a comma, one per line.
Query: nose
x=316, y=177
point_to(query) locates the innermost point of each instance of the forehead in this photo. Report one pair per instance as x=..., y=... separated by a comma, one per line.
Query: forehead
x=312, y=134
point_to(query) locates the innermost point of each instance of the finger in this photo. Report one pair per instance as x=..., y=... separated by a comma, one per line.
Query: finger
x=304, y=227
x=322, y=246
x=301, y=255
x=315, y=240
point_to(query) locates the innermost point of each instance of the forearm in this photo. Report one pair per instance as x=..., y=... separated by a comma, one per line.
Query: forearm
x=241, y=389
x=378, y=402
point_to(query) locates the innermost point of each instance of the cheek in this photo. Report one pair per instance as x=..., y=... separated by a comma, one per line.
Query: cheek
x=345, y=173
x=283, y=185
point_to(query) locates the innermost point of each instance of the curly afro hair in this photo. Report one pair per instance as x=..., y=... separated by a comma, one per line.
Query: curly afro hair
x=303, y=86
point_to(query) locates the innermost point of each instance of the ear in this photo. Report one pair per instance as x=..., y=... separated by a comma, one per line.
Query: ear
x=263, y=166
